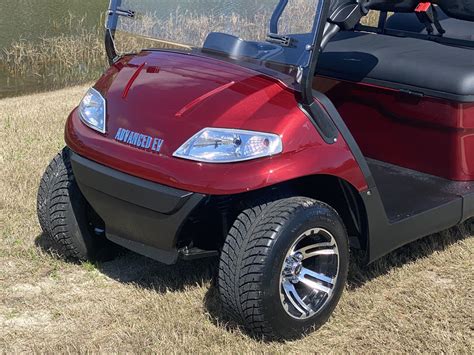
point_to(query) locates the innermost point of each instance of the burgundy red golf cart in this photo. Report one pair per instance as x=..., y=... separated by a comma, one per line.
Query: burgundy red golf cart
x=274, y=134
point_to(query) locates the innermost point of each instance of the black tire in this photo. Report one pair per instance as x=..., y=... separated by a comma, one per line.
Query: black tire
x=67, y=220
x=252, y=259
x=470, y=225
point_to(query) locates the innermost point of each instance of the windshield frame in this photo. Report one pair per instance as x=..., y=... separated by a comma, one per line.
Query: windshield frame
x=302, y=78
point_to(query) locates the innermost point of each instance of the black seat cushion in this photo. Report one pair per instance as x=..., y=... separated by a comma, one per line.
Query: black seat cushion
x=411, y=64
x=454, y=28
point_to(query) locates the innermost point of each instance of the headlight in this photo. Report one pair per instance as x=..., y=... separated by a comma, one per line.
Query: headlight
x=219, y=145
x=92, y=110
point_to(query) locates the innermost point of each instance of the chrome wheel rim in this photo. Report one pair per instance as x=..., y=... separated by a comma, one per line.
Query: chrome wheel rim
x=309, y=273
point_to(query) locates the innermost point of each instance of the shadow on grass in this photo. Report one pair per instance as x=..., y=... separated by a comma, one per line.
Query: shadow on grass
x=360, y=273
x=132, y=268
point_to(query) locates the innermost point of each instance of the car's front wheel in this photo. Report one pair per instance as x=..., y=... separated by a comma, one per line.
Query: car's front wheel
x=284, y=266
x=74, y=231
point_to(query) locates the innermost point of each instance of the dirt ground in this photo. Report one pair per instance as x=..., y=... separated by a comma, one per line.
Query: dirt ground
x=418, y=299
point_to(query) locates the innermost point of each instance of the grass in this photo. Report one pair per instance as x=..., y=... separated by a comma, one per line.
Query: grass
x=418, y=299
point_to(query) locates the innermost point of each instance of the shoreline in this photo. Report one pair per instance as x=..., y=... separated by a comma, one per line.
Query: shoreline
x=33, y=95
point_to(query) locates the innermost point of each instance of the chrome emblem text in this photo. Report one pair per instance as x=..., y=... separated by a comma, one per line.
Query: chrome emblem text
x=138, y=140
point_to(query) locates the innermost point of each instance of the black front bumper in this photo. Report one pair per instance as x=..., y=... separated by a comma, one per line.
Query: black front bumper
x=140, y=215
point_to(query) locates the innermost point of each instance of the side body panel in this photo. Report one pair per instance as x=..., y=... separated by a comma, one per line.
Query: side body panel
x=426, y=134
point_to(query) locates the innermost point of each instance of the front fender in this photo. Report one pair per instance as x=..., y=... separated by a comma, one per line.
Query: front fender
x=305, y=153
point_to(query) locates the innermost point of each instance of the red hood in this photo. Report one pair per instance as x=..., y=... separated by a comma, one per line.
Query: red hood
x=172, y=96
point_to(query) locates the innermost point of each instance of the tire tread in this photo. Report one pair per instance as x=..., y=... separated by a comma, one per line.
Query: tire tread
x=245, y=254
x=54, y=208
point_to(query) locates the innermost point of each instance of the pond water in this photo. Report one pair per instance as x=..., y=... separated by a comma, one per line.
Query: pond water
x=28, y=21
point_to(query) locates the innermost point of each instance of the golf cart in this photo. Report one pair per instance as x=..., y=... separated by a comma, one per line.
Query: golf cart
x=274, y=134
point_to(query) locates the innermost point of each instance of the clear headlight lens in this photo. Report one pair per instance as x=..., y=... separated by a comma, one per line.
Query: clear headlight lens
x=92, y=110
x=219, y=145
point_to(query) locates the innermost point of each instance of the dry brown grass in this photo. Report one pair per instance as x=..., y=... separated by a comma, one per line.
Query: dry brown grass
x=372, y=19
x=419, y=299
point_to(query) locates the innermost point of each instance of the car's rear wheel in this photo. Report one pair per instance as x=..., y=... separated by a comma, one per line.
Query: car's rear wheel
x=72, y=228
x=284, y=266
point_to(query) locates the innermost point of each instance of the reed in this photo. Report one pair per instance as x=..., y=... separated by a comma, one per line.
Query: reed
x=61, y=54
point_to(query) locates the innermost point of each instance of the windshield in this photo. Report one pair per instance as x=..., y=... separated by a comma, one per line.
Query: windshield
x=269, y=32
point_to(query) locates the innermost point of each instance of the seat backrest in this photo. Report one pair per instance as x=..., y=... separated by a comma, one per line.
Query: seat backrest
x=455, y=28
x=392, y=5
x=460, y=9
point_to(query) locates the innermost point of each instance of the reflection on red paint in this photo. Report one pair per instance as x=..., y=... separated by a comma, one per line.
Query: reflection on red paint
x=132, y=80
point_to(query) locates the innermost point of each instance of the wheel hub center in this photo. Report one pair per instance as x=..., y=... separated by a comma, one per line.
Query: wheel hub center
x=293, y=267
x=298, y=268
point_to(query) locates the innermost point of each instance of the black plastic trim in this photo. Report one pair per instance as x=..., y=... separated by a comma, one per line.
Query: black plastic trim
x=110, y=49
x=168, y=257
x=408, y=205
x=140, y=215
x=385, y=237
x=196, y=253
x=110, y=26
x=143, y=193
x=468, y=207
x=323, y=123
x=309, y=71
x=341, y=126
